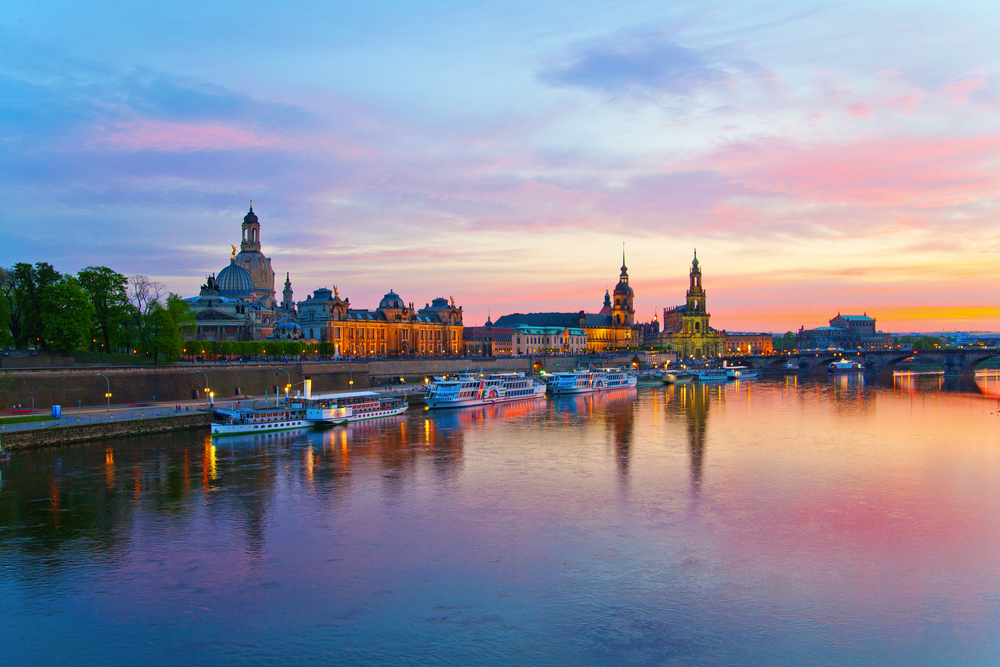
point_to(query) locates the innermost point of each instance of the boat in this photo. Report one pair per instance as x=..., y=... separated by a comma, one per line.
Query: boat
x=583, y=382
x=740, y=372
x=710, y=375
x=650, y=379
x=678, y=378
x=469, y=389
x=342, y=407
x=260, y=419
x=845, y=366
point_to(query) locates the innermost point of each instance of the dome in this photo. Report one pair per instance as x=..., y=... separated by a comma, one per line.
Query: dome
x=234, y=281
x=391, y=301
x=259, y=269
x=251, y=216
x=622, y=289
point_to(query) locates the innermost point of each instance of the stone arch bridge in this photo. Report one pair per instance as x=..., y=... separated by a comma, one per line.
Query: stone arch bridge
x=956, y=362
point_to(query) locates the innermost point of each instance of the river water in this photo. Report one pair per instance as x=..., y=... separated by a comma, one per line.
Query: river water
x=764, y=522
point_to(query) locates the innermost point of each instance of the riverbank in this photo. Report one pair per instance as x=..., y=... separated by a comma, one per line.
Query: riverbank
x=69, y=434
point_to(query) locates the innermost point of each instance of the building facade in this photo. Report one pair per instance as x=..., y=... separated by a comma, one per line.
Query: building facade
x=848, y=332
x=549, y=340
x=612, y=328
x=687, y=329
x=391, y=330
x=744, y=343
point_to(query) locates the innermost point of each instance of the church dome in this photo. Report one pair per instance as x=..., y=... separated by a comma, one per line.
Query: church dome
x=259, y=268
x=391, y=301
x=251, y=216
x=234, y=281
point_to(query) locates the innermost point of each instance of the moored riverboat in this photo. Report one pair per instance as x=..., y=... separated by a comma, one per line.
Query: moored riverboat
x=740, y=372
x=710, y=375
x=678, y=378
x=470, y=389
x=260, y=419
x=352, y=406
x=587, y=381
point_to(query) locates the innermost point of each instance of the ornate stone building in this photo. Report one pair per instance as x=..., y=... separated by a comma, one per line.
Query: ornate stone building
x=686, y=328
x=613, y=327
x=239, y=304
x=393, y=329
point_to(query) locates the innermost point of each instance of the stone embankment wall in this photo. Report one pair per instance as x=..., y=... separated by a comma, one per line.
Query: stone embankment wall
x=61, y=435
x=71, y=387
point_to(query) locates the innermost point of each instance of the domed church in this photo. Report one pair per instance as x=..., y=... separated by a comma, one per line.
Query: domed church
x=239, y=303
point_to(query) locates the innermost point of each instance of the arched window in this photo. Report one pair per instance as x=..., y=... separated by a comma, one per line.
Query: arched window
x=697, y=326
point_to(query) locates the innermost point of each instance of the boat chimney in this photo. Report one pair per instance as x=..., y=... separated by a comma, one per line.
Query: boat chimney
x=308, y=385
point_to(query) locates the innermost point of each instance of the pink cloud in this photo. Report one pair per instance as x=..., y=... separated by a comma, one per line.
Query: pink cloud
x=917, y=172
x=958, y=90
x=150, y=134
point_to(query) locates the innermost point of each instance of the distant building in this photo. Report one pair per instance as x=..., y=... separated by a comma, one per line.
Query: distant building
x=612, y=328
x=487, y=341
x=741, y=342
x=549, y=340
x=848, y=332
x=686, y=328
x=393, y=329
x=238, y=304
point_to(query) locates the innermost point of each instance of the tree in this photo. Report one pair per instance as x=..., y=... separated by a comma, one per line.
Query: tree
x=28, y=282
x=785, y=342
x=108, y=292
x=162, y=337
x=66, y=315
x=6, y=338
x=143, y=293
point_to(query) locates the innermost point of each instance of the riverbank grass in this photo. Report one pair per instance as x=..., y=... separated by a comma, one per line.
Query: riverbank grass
x=25, y=418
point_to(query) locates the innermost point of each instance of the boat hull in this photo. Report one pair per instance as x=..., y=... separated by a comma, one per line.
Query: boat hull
x=439, y=403
x=220, y=430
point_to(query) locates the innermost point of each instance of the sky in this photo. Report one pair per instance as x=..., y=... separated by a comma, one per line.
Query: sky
x=822, y=158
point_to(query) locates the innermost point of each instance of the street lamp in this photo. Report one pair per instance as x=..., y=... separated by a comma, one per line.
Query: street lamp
x=206, y=383
x=287, y=386
x=107, y=395
x=351, y=382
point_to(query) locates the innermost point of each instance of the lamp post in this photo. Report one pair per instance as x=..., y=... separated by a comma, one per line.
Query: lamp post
x=351, y=382
x=107, y=395
x=206, y=384
x=287, y=386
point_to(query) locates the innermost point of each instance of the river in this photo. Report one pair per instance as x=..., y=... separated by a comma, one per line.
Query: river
x=772, y=522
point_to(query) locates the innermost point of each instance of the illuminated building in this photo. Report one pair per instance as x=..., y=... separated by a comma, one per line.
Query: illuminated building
x=686, y=328
x=613, y=327
x=392, y=329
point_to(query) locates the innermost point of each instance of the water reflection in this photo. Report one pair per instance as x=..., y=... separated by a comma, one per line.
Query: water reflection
x=428, y=536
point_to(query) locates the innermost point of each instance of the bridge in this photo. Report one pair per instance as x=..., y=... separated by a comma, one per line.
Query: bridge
x=956, y=362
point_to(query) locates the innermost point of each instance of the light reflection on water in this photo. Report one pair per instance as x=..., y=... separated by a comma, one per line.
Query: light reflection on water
x=761, y=522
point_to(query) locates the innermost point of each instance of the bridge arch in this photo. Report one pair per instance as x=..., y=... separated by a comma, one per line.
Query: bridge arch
x=882, y=364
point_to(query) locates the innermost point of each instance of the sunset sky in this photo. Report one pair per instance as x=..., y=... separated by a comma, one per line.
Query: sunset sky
x=821, y=158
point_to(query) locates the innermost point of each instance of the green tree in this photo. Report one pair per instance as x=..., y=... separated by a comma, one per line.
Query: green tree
x=293, y=348
x=6, y=337
x=108, y=292
x=327, y=349
x=28, y=283
x=162, y=335
x=66, y=315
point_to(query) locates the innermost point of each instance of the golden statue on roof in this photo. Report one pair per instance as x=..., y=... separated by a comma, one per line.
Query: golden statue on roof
x=336, y=293
x=452, y=301
x=234, y=250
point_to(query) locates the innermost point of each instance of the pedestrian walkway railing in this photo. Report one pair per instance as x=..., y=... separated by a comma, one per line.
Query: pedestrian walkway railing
x=93, y=418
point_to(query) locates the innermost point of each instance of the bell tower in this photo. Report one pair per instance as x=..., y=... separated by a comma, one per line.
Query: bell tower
x=287, y=300
x=695, y=293
x=622, y=312
x=251, y=231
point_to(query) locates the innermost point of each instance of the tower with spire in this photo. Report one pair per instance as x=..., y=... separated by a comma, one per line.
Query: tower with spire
x=287, y=300
x=622, y=312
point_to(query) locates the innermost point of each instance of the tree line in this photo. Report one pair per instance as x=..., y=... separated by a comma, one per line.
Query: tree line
x=97, y=309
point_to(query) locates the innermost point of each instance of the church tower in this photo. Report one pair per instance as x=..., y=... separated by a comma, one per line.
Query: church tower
x=695, y=312
x=287, y=301
x=256, y=264
x=622, y=313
